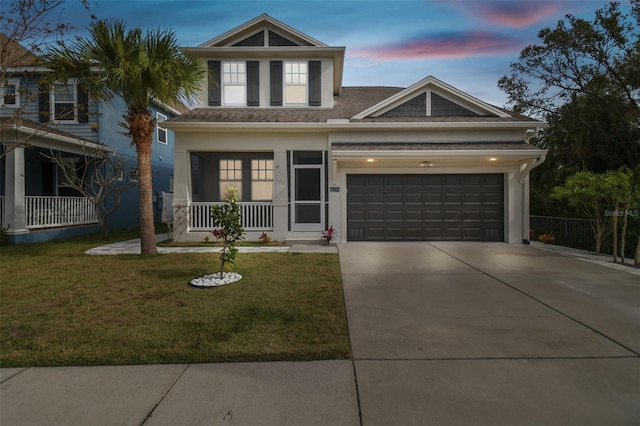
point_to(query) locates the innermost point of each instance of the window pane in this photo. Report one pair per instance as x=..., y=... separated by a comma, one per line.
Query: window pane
x=63, y=92
x=261, y=190
x=307, y=213
x=307, y=157
x=295, y=95
x=307, y=184
x=234, y=95
x=10, y=94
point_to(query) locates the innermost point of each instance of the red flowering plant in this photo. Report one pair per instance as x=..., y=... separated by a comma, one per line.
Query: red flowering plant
x=328, y=234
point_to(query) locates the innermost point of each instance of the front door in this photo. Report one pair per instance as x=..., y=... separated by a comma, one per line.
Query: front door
x=307, y=195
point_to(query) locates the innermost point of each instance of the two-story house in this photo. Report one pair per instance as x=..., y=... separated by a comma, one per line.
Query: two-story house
x=427, y=162
x=38, y=122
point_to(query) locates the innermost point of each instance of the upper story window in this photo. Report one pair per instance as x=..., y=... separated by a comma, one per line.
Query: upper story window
x=161, y=132
x=10, y=93
x=295, y=83
x=234, y=79
x=63, y=102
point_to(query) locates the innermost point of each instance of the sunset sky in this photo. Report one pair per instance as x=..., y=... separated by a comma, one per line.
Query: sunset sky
x=466, y=43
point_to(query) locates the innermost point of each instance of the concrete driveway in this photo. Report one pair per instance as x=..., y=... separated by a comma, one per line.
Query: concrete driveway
x=488, y=334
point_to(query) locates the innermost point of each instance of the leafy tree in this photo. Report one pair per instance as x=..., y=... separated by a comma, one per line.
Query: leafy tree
x=100, y=176
x=583, y=78
x=587, y=192
x=138, y=67
x=227, y=218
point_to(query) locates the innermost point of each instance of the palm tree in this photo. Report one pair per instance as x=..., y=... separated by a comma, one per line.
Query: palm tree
x=138, y=67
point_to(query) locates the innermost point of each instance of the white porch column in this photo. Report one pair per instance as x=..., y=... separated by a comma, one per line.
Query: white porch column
x=514, y=207
x=280, y=196
x=15, y=211
x=181, y=194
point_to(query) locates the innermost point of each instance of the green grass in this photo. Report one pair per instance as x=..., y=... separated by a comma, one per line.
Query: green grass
x=61, y=307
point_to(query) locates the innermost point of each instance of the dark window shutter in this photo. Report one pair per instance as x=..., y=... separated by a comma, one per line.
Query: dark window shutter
x=276, y=83
x=315, y=86
x=83, y=104
x=44, y=104
x=214, y=83
x=253, y=83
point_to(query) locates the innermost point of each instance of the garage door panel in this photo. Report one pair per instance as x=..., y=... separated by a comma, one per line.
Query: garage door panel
x=425, y=207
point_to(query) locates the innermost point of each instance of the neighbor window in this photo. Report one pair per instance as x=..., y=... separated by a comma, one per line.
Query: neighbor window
x=295, y=83
x=234, y=81
x=64, y=102
x=9, y=93
x=161, y=132
x=261, y=180
x=230, y=175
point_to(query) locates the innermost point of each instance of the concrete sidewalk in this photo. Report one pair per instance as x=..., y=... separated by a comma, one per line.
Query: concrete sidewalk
x=441, y=334
x=133, y=247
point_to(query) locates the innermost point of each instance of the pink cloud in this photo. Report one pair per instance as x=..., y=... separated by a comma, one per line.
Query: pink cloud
x=515, y=14
x=452, y=45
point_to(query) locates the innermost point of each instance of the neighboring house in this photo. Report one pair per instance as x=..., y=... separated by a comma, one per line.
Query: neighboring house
x=35, y=202
x=427, y=162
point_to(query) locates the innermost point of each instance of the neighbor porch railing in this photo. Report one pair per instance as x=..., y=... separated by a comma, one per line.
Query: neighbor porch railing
x=49, y=212
x=256, y=216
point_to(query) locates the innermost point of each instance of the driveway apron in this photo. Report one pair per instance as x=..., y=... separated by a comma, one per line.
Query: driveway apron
x=490, y=333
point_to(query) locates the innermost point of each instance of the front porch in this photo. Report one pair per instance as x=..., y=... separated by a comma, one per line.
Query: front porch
x=256, y=216
x=49, y=212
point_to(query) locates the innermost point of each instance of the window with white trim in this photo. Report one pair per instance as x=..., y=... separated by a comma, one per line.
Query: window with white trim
x=161, y=133
x=234, y=82
x=295, y=82
x=64, y=102
x=10, y=93
x=261, y=180
x=230, y=175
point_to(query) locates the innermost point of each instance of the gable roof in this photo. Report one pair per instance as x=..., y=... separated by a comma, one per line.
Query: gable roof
x=442, y=89
x=262, y=22
x=13, y=54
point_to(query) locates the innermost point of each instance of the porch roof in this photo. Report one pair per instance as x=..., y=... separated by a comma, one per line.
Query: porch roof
x=44, y=136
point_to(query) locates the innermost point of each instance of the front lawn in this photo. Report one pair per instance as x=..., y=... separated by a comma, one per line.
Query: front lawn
x=61, y=307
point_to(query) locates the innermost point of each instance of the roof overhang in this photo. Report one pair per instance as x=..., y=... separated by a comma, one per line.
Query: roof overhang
x=333, y=125
x=41, y=137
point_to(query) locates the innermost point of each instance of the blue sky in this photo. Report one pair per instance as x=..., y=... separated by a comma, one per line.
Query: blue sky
x=466, y=43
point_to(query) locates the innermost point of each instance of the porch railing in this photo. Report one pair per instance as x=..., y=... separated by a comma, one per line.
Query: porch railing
x=256, y=216
x=49, y=212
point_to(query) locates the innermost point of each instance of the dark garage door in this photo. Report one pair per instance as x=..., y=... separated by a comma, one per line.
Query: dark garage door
x=425, y=207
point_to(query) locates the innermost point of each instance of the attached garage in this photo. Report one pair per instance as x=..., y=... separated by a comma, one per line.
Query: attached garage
x=425, y=207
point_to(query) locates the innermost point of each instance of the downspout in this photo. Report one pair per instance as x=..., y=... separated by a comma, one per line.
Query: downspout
x=525, y=169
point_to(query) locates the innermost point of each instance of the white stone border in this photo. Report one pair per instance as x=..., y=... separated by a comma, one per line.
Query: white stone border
x=214, y=280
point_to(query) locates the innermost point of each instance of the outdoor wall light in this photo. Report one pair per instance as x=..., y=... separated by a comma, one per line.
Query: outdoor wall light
x=426, y=164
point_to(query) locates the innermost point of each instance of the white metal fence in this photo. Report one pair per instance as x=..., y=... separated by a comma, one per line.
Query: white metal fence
x=49, y=212
x=255, y=216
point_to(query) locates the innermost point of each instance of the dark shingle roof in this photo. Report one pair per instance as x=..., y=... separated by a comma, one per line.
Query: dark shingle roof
x=350, y=102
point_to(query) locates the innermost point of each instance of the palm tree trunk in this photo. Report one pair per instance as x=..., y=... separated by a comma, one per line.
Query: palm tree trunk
x=147, y=226
x=141, y=125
